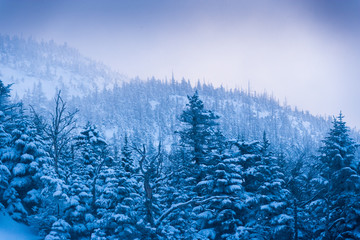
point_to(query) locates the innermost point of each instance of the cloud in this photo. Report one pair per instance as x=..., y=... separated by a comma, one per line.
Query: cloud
x=306, y=51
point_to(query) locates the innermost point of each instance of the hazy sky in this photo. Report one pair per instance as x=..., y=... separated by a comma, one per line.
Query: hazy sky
x=305, y=50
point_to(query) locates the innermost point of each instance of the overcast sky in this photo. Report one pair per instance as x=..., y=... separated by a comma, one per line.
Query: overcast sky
x=307, y=51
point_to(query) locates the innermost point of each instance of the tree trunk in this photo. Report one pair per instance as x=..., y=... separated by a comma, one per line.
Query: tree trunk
x=296, y=227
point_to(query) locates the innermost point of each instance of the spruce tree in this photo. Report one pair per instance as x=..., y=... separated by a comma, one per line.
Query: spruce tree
x=222, y=213
x=119, y=201
x=89, y=162
x=199, y=138
x=17, y=158
x=338, y=185
x=198, y=134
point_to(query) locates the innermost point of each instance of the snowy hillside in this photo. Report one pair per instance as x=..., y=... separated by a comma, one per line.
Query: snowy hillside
x=26, y=63
x=146, y=108
x=163, y=159
x=151, y=109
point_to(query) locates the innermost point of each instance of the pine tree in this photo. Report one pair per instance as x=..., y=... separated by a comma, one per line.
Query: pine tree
x=190, y=161
x=4, y=139
x=199, y=130
x=219, y=217
x=199, y=142
x=299, y=186
x=273, y=196
x=89, y=162
x=127, y=162
x=59, y=231
x=338, y=186
x=17, y=154
x=265, y=195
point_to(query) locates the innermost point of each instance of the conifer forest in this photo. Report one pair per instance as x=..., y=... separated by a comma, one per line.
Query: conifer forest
x=179, y=120
x=67, y=181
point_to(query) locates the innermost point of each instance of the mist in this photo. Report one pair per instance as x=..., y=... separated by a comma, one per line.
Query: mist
x=306, y=53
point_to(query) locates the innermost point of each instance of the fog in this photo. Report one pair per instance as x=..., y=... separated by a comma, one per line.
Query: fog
x=305, y=52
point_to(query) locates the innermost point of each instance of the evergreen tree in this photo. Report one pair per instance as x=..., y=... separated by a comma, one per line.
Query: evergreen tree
x=59, y=231
x=198, y=134
x=4, y=139
x=17, y=155
x=199, y=141
x=127, y=162
x=89, y=162
x=338, y=185
x=300, y=189
x=272, y=200
x=265, y=194
x=120, y=199
x=222, y=213
x=23, y=164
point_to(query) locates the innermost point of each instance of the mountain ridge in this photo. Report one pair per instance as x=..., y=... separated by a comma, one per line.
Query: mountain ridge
x=26, y=62
x=147, y=108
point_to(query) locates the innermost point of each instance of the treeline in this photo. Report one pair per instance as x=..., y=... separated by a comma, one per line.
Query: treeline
x=70, y=183
x=26, y=55
x=150, y=110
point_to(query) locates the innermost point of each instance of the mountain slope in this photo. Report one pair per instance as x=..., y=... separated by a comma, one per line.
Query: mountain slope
x=150, y=109
x=26, y=62
x=147, y=110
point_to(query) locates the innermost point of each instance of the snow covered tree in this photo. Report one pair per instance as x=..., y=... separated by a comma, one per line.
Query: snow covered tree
x=265, y=195
x=106, y=202
x=120, y=199
x=299, y=186
x=59, y=231
x=4, y=137
x=127, y=162
x=150, y=169
x=24, y=163
x=338, y=185
x=15, y=160
x=199, y=129
x=222, y=213
x=199, y=142
x=89, y=161
x=273, y=196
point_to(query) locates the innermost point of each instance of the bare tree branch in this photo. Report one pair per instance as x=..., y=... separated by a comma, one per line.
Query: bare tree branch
x=195, y=201
x=59, y=131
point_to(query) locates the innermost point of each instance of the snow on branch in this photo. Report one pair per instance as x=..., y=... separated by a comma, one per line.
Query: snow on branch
x=195, y=201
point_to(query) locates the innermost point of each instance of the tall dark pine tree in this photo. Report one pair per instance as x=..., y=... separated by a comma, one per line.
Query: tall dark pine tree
x=199, y=133
x=213, y=177
x=339, y=187
x=198, y=141
x=127, y=162
x=300, y=190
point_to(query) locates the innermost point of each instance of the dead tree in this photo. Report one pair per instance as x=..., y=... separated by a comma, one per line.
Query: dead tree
x=150, y=168
x=59, y=130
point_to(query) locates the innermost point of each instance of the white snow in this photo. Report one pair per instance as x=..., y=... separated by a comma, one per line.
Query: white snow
x=20, y=181
x=153, y=104
x=19, y=169
x=263, y=114
x=11, y=230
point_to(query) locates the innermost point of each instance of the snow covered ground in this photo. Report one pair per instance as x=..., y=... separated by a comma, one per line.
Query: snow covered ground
x=11, y=230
